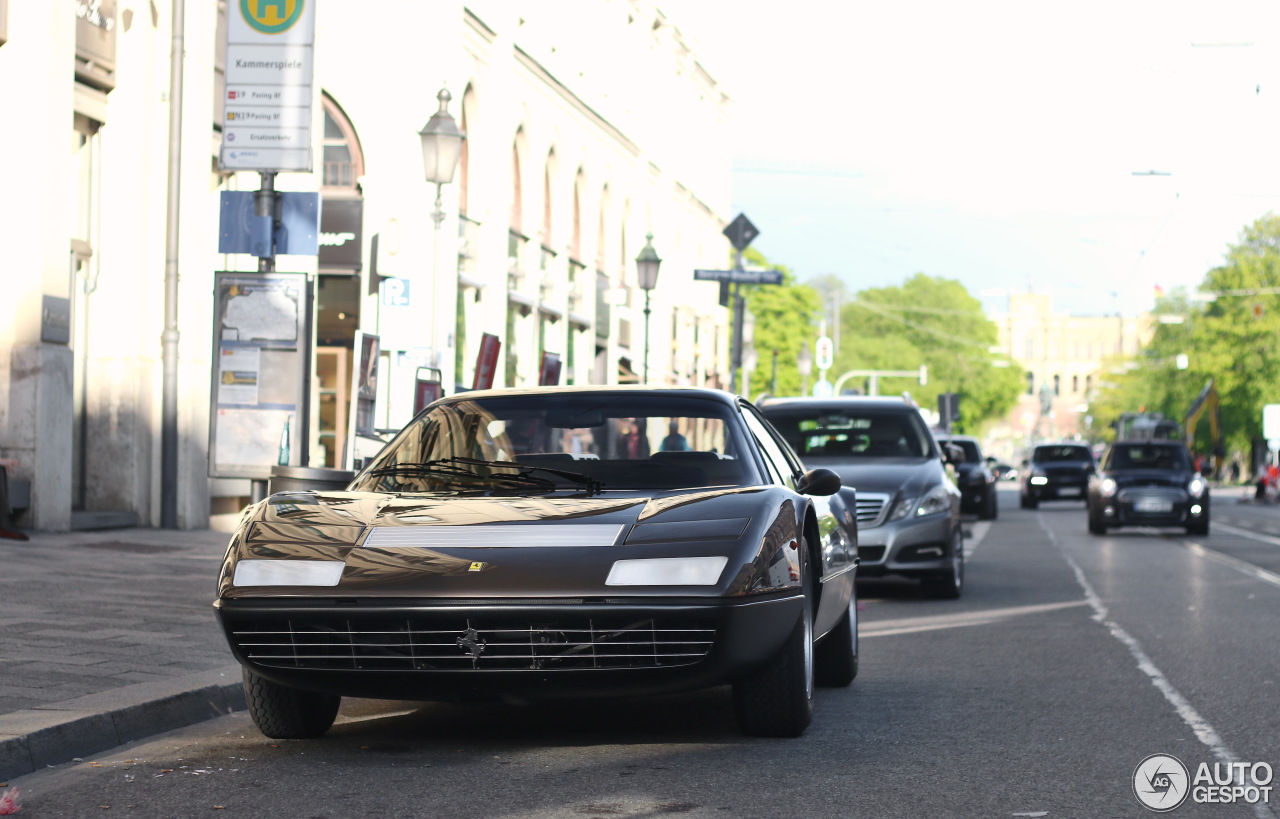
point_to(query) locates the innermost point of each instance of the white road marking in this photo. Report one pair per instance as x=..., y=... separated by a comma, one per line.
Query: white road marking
x=1232, y=563
x=914, y=625
x=1236, y=530
x=978, y=530
x=1198, y=724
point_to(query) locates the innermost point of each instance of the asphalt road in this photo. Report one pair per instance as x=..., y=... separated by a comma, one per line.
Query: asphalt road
x=1069, y=659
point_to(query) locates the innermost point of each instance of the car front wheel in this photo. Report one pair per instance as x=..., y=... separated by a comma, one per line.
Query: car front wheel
x=777, y=700
x=1199, y=528
x=949, y=584
x=989, y=510
x=281, y=712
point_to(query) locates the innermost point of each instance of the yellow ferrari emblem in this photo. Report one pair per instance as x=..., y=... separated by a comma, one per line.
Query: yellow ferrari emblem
x=476, y=567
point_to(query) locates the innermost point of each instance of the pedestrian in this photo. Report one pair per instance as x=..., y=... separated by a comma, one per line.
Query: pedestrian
x=674, y=442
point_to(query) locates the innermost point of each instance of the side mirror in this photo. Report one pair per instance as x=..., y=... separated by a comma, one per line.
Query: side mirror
x=818, y=482
x=952, y=454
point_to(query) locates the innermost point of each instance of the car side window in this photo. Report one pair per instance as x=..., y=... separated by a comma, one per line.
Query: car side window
x=780, y=468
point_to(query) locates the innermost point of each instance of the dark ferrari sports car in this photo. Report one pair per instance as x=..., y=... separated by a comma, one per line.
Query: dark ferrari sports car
x=559, y=542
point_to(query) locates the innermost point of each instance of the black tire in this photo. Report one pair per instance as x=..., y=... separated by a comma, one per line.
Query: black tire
x=1200, y=528
x=836, y=657
x=777, y=700
x=281, y=712
x=948, y=585
x=988, y=510
x=1096, y=526
x=1030, y=503
x=1024, y=501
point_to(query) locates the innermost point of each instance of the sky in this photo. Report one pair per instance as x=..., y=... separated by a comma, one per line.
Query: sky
x=1097, y=149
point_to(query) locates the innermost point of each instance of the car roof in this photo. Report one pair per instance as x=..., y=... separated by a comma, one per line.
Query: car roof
x=887, y=402
x=1147, y=442
x=595, y=389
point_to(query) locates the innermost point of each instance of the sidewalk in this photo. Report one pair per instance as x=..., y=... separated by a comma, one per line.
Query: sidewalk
x=106, y=637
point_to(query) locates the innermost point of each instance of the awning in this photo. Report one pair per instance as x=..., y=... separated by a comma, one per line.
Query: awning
x=625, y=374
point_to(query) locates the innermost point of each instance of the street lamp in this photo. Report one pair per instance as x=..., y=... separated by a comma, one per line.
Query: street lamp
x=647, y=264
x=441, y=147
x=804, y=362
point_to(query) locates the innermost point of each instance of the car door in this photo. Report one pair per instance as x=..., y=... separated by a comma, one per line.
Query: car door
x=837, y=525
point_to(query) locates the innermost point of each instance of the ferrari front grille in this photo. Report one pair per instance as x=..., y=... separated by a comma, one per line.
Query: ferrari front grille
x=385, y=643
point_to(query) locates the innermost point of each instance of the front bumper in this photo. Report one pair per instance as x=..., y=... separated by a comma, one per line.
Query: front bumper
x=911, y=547
x=1059, y=489
x=1132, y=507
x=519, y=649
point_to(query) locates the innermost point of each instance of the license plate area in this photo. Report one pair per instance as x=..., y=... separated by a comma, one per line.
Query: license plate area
x=1069, y=491
x=1152, y=507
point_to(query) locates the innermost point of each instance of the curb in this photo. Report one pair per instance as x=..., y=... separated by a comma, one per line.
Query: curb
x=61, y=732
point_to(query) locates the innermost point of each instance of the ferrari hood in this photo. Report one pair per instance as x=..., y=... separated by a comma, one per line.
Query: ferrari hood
x=362, y=509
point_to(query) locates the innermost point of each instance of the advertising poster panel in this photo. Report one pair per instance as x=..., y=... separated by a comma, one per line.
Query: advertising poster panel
x=261, y=363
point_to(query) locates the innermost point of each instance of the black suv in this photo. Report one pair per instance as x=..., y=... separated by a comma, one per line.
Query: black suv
x=1056, y=472
x=977, y=483
x=894, y=475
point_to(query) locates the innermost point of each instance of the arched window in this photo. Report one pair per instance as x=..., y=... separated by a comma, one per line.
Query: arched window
x=343, y=160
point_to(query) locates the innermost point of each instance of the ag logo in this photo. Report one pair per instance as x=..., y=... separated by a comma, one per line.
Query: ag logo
x=271, y=16
x=1161, y=782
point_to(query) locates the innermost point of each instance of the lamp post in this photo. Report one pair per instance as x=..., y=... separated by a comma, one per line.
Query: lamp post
x=804, y=363
x=647, y=264
x=441, y=147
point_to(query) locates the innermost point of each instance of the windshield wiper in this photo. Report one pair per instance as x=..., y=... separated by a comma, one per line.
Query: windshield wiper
x=454, y=467
x=523, y=470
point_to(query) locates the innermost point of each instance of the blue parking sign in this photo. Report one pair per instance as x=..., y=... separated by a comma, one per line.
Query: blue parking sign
x=395, y=292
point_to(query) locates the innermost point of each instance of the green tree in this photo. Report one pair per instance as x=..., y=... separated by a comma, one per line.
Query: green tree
x=1229, y=334
x=935, y=322
x=785, y=315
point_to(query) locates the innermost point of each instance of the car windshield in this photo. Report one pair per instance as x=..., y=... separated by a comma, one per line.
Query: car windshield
x=588, y=441
x=1147, y=456
x=1049, y=454
x=851, y=433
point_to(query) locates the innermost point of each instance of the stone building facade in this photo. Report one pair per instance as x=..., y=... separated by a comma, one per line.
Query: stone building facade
x=590, y=124
x=1066, y=359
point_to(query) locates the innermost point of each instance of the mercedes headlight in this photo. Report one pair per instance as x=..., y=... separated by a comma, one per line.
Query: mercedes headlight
x=931, y=502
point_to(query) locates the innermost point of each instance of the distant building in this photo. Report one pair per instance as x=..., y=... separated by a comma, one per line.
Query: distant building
x=1066, y=359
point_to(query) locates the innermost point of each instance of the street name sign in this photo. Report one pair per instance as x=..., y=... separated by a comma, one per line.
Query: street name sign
x=739, y=276
x=267, y=103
